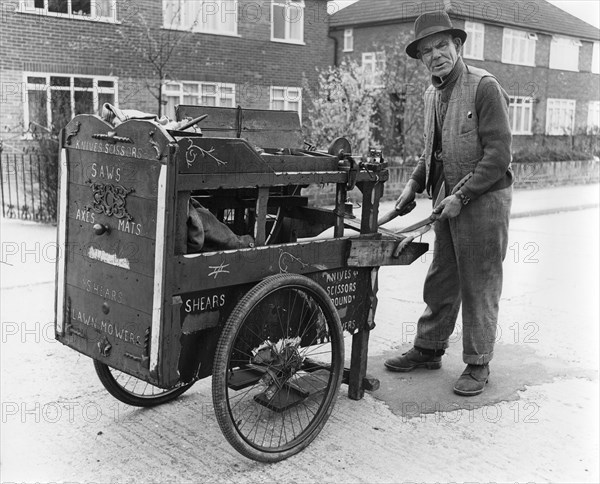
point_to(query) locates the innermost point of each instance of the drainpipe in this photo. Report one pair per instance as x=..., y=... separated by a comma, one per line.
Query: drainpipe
x=335, y=48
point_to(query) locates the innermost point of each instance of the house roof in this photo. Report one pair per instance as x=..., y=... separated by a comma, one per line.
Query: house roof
x=533, y=15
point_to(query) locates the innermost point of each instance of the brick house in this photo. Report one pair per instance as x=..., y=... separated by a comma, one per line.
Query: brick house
x=546, y=59
x=63, y=57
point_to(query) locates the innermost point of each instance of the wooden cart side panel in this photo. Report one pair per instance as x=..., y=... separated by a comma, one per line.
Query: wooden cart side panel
x=235, y=267
x=159, y=324
x=61, y=240
x=203, y=314
x=118, y=285
x=142, y=225
x=264, y=128
x=115, y=186
x=166, y=330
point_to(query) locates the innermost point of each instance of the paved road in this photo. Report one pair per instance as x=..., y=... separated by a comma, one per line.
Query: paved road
x=537, y=421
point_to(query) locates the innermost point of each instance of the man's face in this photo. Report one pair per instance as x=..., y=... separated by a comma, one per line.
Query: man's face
x=439, y=53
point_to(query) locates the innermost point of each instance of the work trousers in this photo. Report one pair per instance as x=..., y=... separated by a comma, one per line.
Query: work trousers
x=467, y=267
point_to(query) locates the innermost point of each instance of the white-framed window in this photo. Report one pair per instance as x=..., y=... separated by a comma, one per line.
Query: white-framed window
x=96, y=10
x=593, y=122
x=198, y=94
x=596, y=58
x=348, y=40
x=564, y=53
x=286, y=99
x=287, y=21
x=560, y=116
x=373, y=64
x=473, y=48
x=520, y=112
x=51, y=100
x=518, y=47
x=207, y=16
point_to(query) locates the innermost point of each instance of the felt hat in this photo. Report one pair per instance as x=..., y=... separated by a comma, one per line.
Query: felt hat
x=432, y=23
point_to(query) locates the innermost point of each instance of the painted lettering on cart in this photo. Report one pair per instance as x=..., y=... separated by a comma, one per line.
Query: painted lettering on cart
x=103, y=291
x=205, y=303
x=110, y=149
x=129, y=227
x=341, y=286
x=105, y=171
x=85, y=216
x=107, y=326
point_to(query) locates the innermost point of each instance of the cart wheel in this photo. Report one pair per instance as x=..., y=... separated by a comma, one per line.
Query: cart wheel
x=278, y=368
x=133, y=391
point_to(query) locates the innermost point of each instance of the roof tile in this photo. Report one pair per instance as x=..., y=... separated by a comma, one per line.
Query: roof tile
x=535, y=15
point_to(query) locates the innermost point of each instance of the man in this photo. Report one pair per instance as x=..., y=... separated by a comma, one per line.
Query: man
x=467, y=131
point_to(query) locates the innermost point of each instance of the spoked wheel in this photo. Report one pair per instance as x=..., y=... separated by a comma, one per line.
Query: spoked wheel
x=133, y=391
x=278, y=368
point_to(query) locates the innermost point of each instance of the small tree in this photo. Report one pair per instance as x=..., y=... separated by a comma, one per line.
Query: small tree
x=156, y=48
x=340, y=105
x=344, y=103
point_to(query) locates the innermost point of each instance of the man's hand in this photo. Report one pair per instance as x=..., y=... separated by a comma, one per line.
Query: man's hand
x=403, y=204
x=448, y=208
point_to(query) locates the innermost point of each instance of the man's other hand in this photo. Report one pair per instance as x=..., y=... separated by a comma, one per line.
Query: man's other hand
x=448, y=208
x=404, y=203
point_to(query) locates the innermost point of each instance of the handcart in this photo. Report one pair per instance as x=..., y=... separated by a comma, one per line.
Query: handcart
x=265, y=321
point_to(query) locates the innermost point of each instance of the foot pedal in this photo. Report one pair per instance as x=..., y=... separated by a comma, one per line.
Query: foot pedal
x=295, y=391
x=244, y=378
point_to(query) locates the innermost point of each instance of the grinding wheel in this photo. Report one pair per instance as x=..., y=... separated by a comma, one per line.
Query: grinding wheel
x=340, y=147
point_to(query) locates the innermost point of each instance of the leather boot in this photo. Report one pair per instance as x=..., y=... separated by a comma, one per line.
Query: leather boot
x=413, y=359
x=472, y=381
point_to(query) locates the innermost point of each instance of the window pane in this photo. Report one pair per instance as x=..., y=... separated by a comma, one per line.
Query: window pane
x=60, y=81
x=81, y=7
x=518, y=124
x=37, y=107
x=278, y=22
x=106, y=84
x=296, y=26
x=172, y=89
x=38, y=3
x=527, y=118
x=190, y=88
x=84, y=102
x=172, y=101
x=104, y=98
x=36, y=80
x=209, y=89
x=209, y=101
x=280, y=105
x=58, y=6
x=83, y=82
x=104, y=8
x=60, y=105
x=193, y=100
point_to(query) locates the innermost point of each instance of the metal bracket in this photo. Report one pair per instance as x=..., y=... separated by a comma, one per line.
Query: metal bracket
x=104, y=346
x=112, y=137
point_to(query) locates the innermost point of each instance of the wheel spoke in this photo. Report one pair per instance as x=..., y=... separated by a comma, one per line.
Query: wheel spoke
x=275, y=331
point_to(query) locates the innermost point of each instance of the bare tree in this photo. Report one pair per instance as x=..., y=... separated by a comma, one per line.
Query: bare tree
x=156, y=48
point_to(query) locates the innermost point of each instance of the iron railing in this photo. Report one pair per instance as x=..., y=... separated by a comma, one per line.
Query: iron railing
x=28, y=187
